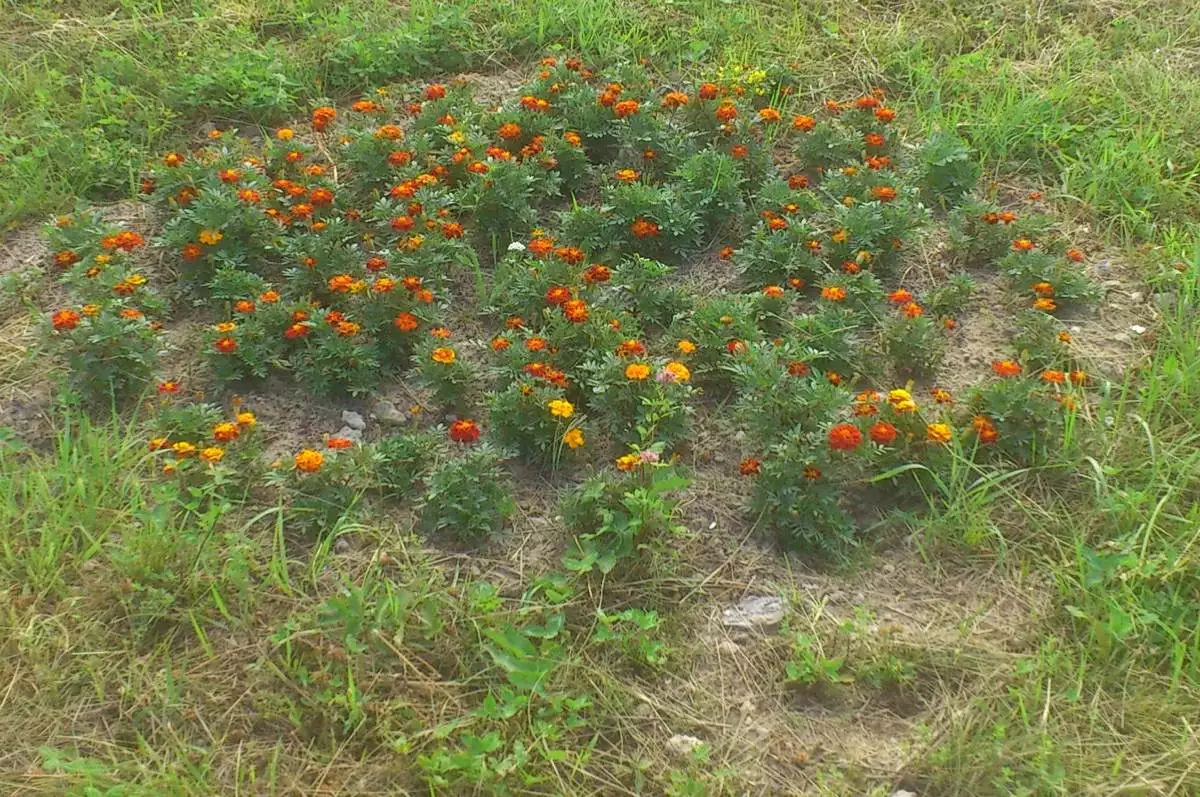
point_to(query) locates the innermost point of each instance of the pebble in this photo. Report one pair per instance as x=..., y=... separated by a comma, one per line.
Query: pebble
x=754, y=611
x=1137, y=297
x=683, y=745
x=1137, y=329
x=353, y=420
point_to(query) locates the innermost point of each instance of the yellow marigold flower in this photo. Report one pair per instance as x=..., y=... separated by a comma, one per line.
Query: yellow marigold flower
x=225, y=432
x=443, y=354
x=309, y=461
x=685, y=346
x=902, y=400
x=939, y=432
x=225, y=327
x=91, y=310
x=561, y=408
x=183, y=449
x=678, y=370
x=637, y=371
x=246, y=419
x=628, y=462
x=210, y=237
x=212, y=454
x=573, y=438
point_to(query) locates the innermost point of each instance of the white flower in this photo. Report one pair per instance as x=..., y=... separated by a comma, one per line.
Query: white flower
x=516, y=246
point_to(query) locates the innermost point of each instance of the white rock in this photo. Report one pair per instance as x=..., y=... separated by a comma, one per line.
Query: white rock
x=904, y=793
x=1137, y=329
x=353, y=420
x=350, y=433
x=1137, y=297
x=754, y=611
x=387, y=412
x=683, y=745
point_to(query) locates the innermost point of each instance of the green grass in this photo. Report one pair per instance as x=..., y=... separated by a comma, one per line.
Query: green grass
x=132, y=605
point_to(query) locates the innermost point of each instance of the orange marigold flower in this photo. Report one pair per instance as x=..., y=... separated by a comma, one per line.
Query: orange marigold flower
x=625, y=108
x=674, y=99
x=570, y=254
x=557, y=295
x=573, y=438
x=875, y=140
x=914, y=310
x=340, y=283
x=226, y=345
x=884, y=193
x=1044, y=289
x=443, y=354
x=535, y=344
x=796, y=282
x=726, y=112
x=321, y=117
x=883, y=433
x=1006, y=368
x=773, y=291
x=440, y=332
x=65, y=320
x=1064, y=337
x=339, y=442
x=833, y=293
x=941, y=396
x=797, y=368
x=769, y=115
x=320, y=196
x=803, y=123
x=1078, y=377
x=347, y=329
x=225, y=432
x=309, y=461
x=985, y=429
x=210, y=237
x=844, y=437
x=885, y=115
x=627, y=175
x=725, y=253
x=1075, y=255
x=938, y=433
x=452, y=229
x=900, y=296
x=174, y=159
x=1054, y=377
x=464, y=430
x=833, y=378
x=509, y=130
x=637, y=371
x=245, y=419
x=1022, y=245
x=157, y=443
x=811, y=472
x=750, y=467
x=643, y=228
x=685, y=347
x=735, y=346
x=1045, y=305
x=708, y=91
x=296, y=331
x=777, y=223
x=798, y=182
x=435, y=91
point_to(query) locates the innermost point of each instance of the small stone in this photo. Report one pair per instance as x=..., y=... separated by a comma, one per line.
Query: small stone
x=341, y=545
x=754, y=611
x=1137, y=297
x=682, y=745
x=353, y=420
x=889, y=568
x=712, y=525
x=1137, y=329
x=387, y=412
x=350, y=434
x=904, y=793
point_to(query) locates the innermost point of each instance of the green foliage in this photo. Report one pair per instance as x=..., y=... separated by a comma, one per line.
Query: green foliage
x=468, y=495
x=948, y=170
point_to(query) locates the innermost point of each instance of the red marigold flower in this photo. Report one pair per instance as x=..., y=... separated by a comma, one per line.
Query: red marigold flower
x=500, y=343
x=912, y=310
x=844, y=437
x=735, y=346
x=1075, y=255
x=643, y=228
x=570, y=254
x=509, y=130
x=750, y=467
x=535, y=344
x=739, y=151
x=226, y=345
x=1044, y=289
x=726, y=112
x=1053, y=376
x=464, y=431
x=576, y=311
x=229, y=175
x=631, y=348
x=243, y=306
x=885, y=115
x=557, y=295
x=798, y=182
x=708, y=91
x=406, y=322
x=833, y=293
x=674, y=99
x=773, y=291
x=884, y=193
x=883, y=433
x=875, y=140
x=65, y=320
x=803, y=123
x=1022, y=245
x=900, y=296
x=797, y=368
x=452, y=229
x=597, y=273
x=320, y=196
x=339, y=442
x=625, y=108
x=168, y=387
x=402, y=223
x=296, y=331
x=435, y=91
x=986, y=430
x=1006, y=368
